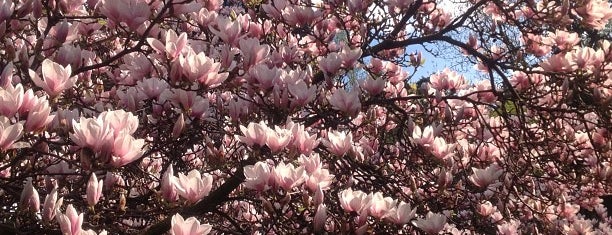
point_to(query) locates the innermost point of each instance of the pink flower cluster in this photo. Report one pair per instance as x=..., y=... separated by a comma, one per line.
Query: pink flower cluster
x=109, y=136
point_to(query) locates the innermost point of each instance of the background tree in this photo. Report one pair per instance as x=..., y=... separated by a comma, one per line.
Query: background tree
x=192, y=117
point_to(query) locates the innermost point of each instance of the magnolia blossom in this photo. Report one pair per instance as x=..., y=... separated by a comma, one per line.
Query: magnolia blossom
x=92, y=133
x=94, y=190
x=339, y=143
x=9, y=134
x=320, y=178
x=201, y=68
x=302, y=140
x=38, y=117
x=402, y=213
x=278, y=138
x=173, y=45
x=194, y=186
x=120, y=120
x=373, y=86
x=190, y=226
x=425, y=137
x=483, y=177
x=254, y=134
x=6, y=9
x=432, y=223
x=228, y=30
x=71, y=221
x=168, y=185
x=320, y=218
x=287, y=176
x=379, y=205
x=253, y=52
x=51, y=205
x=486, y=208
x=301, y=94
x=330, y=64
x=11, y=99
x=126, y=149
x=132, y=12
x=257, y=176
x=310, y=163
x=354, y=201
x=29, y=197
x=56, y=78
x=347, y=102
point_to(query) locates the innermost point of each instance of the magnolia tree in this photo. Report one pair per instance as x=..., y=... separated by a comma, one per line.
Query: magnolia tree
x=296, y=116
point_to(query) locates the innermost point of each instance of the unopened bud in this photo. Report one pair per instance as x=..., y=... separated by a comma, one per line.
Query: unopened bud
x=179, y=125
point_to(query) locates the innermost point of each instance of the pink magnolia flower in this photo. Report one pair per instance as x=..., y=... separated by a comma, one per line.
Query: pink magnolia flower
x=152, y=87
x=339, y=143
x=587, y=58
x=330, y=64
x=168, y=185
x=310, y=163
x=596, y=13
x=132, y=12
x=201, y=68
x=253, y=52
x=402, y=213
x=73, y=6
x=347, y=102
x=440, y=149
x=93, y=133
x=287, y=176
x=230, y=31
x=301, y=94
x=303, y=141
x=278, y=138
x=55, y=78
x=350, y=56
x=379, y=205
x=173, y=46
x=447, y=80
x=354, y=200
x=29, y=197
x=254, y=134
x=39, y=117
x=51, y=205
x=194, y=186
x=178, y=127
x=561, y=62
x=373, y=86
x=120, y=120
x=193, y=104
x=126, y=149
x=486, y=208
x=511, y=228
x=432, y=224
x=257, y=176
x=190, y=226
x=11, y=99
x=320, y=178
x=320, y=218
x=94, y=190
x=6, y=9
x=9, y=133
x=565, y=40
x=425, y=137
x=300, y=15
x=6, y=77
x=483, y=177
x=264, y=77
x=70, y=222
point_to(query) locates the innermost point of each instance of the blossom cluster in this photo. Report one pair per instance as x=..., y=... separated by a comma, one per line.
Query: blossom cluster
x=297, y=116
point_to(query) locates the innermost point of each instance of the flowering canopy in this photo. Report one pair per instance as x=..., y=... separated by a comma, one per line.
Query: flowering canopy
x=300, y=116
